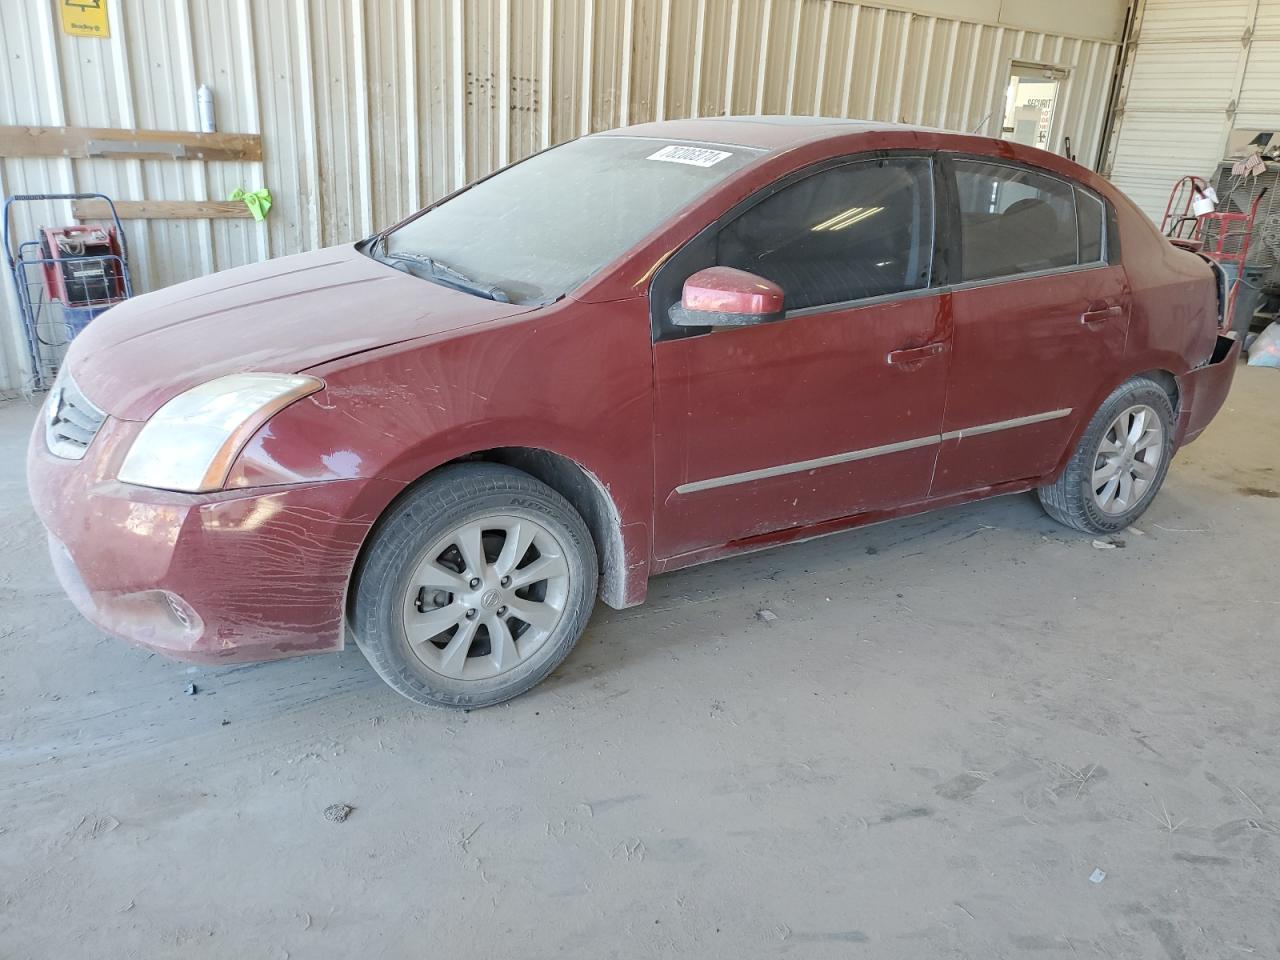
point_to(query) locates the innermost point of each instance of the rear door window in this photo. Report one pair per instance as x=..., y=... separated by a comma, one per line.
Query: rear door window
x=862, y=229
x=1014, y=221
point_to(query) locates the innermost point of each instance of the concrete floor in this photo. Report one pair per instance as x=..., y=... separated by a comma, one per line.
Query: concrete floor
x=954, y=720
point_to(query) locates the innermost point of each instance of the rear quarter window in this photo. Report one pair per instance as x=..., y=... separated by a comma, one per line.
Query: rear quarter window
x=1092, y=220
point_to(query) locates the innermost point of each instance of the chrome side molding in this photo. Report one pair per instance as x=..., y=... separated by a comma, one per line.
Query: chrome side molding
x=802, y=466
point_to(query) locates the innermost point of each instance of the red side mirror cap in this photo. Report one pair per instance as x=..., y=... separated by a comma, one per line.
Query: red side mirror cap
x=727, y=297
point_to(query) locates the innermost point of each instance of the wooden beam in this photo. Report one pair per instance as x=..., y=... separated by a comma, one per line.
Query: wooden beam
x=84, y=142
x=162, y=209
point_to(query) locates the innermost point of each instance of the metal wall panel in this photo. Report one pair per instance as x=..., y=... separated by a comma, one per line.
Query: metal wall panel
x=1195, y=72
x=370, y=108
x=1259, y=105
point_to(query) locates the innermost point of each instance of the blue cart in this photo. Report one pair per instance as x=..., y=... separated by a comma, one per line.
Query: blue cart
x=63, y=278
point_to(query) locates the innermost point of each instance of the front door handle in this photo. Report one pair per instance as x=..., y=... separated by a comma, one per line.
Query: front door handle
x=916, y=354
x=1102, y=314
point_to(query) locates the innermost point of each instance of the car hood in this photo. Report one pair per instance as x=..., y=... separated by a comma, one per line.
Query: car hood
x=280, y=316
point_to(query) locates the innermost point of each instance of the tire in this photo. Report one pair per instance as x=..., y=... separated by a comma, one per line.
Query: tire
x=437, y=636
x=1073, y=499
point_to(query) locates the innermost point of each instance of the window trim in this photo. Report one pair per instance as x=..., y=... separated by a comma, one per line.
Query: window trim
x=939, y=259
x=861, y=302
x=1030, y=275
x=1110, y=245
x=1079, y=188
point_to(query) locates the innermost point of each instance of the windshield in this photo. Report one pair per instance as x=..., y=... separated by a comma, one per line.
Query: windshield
x=534, y=231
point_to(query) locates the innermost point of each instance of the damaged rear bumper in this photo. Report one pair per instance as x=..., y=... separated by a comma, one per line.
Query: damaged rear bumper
x=1202, y=391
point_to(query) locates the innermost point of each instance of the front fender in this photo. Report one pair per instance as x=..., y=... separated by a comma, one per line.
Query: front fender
x=576, y=383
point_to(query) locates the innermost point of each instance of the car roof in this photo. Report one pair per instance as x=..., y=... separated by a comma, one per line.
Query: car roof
x=763, y=132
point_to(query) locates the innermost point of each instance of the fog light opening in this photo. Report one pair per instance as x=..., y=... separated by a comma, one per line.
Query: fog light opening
x=180, y=611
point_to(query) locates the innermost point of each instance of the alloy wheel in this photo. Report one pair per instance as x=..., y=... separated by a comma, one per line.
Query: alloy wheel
x=1128, y=459
x=485, y=596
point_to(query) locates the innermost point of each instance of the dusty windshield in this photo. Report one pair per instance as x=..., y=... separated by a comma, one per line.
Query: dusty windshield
x=535, y=231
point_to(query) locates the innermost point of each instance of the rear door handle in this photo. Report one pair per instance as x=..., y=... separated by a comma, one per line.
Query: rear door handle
x=1102, y=314
x=916, y=354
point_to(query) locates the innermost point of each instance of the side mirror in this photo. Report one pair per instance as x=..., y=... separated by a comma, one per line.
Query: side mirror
x=727, y=297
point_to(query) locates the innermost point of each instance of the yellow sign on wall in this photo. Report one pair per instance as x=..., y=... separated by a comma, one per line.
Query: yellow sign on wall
x=85, y=18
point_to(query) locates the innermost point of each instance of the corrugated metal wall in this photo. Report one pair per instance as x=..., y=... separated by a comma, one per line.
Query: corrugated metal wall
x=1195, y=72
x=370, y=108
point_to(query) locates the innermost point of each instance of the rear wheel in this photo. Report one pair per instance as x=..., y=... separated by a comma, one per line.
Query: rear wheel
x=1119, y=463
x=475, y=587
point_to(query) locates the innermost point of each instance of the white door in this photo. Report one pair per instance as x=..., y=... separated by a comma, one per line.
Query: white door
x=1197, y=71
x=1030, y=100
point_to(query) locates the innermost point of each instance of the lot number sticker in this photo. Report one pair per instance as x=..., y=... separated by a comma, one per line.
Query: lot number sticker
x=694, y=156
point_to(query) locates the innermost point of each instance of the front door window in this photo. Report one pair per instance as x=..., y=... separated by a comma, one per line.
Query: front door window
x=856, y=231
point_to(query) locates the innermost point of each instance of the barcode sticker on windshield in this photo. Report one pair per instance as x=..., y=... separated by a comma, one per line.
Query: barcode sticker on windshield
x=694, y=156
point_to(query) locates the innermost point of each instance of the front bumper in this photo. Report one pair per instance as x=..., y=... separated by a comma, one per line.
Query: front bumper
x=1202, y=391
x=224, y=577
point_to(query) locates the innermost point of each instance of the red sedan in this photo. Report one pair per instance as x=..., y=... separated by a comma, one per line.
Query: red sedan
x=634, y=352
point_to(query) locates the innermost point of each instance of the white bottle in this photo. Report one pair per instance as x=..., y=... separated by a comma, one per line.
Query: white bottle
x=204, y=109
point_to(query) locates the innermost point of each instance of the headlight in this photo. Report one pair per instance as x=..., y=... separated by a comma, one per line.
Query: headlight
x=190, y=443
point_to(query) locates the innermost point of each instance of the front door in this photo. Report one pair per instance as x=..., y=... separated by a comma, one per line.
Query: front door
x=1040, y=314
x=835, y=409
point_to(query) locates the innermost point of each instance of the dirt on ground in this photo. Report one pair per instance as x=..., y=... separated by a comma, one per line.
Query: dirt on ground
x=970, y=734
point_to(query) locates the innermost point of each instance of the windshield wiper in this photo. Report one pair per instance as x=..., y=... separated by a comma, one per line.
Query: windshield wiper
x=435, y=270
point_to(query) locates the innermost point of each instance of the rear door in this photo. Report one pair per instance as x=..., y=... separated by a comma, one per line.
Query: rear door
x=1041, y=312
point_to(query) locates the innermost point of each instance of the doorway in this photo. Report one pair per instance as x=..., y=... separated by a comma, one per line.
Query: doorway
x=1029, y=103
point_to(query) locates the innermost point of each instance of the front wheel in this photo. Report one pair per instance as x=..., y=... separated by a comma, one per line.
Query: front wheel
x=1119, y=463
x=475, y=587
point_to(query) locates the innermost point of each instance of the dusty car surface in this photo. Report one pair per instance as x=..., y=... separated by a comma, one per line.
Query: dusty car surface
x=638, y=351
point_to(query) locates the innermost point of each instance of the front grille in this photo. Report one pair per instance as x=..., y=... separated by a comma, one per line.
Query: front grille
x=71, y=421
